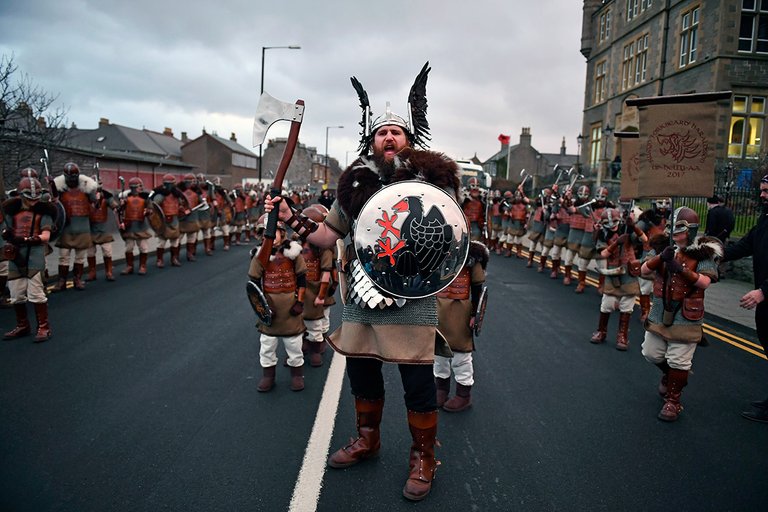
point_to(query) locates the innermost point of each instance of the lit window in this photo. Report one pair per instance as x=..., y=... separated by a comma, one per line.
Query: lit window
x=747, y=125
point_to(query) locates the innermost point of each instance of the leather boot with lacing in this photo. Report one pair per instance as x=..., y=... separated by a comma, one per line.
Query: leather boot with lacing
x=43, y=327
x=128, y=264
x=461, y=400
x=582, y=282
x=664, y=367
x=555, y=269
x=77, y=276
x=443, y=389
x=542, y=263
x=61, y=283
x=160, y=254
x=622, y=338
x=22, y=322
x=602, y=329
x=567, y=275
x=368, y=443
x=91, y=268
x=267, y=381
x=423, y=426
x=297, y=378
x=676, y=381
x=108, y=268
x=645, y=307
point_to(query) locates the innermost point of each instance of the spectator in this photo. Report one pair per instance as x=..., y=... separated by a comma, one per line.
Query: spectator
x=755, y=244
x=720, y=219
x=326, y=199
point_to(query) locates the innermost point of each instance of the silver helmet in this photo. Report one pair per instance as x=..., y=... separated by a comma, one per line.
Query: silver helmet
x=416, y=126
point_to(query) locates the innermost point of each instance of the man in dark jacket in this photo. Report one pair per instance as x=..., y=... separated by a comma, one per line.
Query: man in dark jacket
x=720, y=219
x=755, y=244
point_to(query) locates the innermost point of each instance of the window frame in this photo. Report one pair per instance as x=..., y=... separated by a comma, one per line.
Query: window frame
x=689, y=36
x=750, y=144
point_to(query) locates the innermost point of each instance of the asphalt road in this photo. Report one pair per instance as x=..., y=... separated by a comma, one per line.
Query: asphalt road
x=145, y=400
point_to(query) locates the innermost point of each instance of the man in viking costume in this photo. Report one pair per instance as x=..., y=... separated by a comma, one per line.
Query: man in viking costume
x=173, y=203
x=101, y=234
x=239, y=220
x=76, y=193
x=457, y=306
x=26, y=229
x=652, y=222
x=621, y=267
x=135, y=209
x=189, y=224
x=681, y=273
x=318, y=300
x=474, y=209
x=388, y=234
x=587, y=250
x=538, y=228
x=514, y=208
x=283, y=283
x=205, y=214
x=494, y=222
x=577, y=223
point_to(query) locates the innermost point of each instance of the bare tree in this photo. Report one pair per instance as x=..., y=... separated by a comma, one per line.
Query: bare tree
x=29, y=123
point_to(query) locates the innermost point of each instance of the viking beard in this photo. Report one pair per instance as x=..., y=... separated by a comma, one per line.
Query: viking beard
x=385, y=168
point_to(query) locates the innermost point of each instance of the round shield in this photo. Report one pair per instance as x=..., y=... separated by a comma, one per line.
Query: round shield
x=156, y=219
x=59, y=222
x=259, y=303
x=411, y=239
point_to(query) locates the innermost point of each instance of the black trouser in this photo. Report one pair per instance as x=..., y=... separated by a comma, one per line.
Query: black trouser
x=761, y=320
x=367, y=382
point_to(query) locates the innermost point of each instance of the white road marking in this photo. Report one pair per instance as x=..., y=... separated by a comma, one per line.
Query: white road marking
x=306, y=493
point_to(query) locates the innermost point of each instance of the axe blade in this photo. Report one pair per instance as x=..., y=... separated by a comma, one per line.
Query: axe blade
x=271, y=110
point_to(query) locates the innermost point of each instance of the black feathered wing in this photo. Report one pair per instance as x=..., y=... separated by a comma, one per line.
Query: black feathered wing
x=417, y=101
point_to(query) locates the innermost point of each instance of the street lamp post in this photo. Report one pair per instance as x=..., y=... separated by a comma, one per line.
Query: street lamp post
x=607, y=131
x=263, y=51
x=579, y=141
x=326, y=149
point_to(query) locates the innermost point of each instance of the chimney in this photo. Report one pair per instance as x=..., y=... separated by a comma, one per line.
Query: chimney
x=525, y=137
x=167, y=131
x=41, y=123
x=232, y=137
x=184, y=137
x=103, y=122
x=562, y=147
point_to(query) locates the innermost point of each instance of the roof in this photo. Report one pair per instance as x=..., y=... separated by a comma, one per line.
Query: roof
x=233, y=145
x=115, y=137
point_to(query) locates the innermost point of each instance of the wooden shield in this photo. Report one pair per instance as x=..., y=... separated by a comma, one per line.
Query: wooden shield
x=156, y=219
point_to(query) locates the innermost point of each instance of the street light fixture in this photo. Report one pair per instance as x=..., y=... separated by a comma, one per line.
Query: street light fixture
x=263, y=51
x=326, y=148
x=607, y=131
x=579, y=141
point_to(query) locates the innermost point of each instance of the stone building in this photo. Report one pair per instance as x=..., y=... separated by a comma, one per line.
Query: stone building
x=524, y=156
x=308, y=169
x=642, y=48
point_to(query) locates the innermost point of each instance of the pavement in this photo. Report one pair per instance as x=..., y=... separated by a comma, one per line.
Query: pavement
x=721, y=300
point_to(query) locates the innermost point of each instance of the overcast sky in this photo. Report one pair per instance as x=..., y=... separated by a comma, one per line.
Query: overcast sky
x=497, y=66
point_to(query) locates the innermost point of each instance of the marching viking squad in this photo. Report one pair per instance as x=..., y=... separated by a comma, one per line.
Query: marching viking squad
x=652, y=257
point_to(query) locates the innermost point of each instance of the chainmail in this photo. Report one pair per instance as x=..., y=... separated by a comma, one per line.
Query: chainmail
x=413, y=312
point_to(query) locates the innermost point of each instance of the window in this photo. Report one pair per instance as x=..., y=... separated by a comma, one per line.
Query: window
x=595, y=141
x=605, y=26
x=753, y=31
x=747, y=124
x=600, y=81
x=689, y=35
x=635, y=7
x=634, y=63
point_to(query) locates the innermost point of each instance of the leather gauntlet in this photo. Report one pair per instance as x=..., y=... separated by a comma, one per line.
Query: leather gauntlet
x=302, y=225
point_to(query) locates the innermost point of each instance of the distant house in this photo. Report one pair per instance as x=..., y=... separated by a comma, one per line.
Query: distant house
x=220, y=158
x=120, y=151
x=308, y=169
x=540, y=166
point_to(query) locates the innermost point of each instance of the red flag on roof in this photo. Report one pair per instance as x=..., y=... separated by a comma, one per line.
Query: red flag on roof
x=504, y=139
